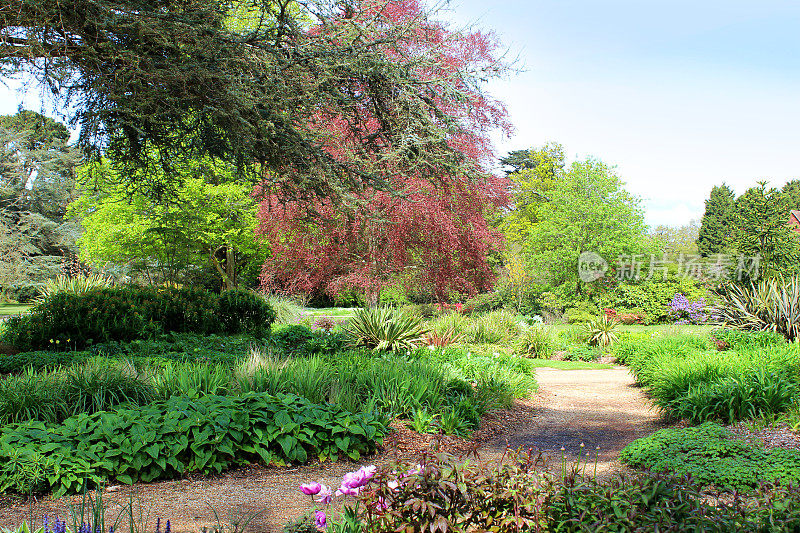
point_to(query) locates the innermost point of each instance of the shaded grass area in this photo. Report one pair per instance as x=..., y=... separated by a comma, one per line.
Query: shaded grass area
x=13, y=309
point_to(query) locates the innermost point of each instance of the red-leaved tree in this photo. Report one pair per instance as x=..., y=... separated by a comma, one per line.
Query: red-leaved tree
x=432, y=233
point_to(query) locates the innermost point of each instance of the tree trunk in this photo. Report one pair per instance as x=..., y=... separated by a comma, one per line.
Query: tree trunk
x=227, y=273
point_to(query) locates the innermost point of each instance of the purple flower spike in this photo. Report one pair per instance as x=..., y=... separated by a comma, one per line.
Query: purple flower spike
x=158, y=525
x=168, y=528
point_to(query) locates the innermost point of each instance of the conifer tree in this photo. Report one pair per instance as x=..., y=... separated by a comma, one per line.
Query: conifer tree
x=261, y=84
x=762, y=229
x=716, y=225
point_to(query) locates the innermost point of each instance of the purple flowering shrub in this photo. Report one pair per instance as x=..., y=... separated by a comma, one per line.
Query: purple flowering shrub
x=682, y=311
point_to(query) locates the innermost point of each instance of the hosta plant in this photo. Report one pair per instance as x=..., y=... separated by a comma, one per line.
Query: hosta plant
x=771, y=305
x=601, y=331
x=384, y=328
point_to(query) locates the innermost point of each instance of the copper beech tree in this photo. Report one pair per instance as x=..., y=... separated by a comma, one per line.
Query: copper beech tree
x=426, y=224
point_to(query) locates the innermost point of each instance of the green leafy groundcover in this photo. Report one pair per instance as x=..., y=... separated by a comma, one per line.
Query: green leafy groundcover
x=181, y=435
x=710, y=455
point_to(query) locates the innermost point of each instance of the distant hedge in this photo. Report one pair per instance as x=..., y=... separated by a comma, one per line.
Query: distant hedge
x=74, y=321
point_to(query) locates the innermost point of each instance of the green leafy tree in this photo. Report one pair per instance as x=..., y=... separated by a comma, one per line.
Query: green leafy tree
x=211, y=219
x=588, y=210
x=761, y=228
x=716, y=226
x=536, y=172
x=676, y=240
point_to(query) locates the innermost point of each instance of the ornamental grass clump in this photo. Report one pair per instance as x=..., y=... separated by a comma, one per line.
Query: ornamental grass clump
x=495, y=327
x=385, y=329
x=536, y=341
x=95, y=385
x=72, y=285
x=770, y=305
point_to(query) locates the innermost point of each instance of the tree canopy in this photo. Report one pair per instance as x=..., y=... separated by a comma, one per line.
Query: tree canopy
x=36, y=185
x=210, y=219
x=429, y=232
x=536, y=173
x=761, y=228
x=315, y=97
x=588, y=210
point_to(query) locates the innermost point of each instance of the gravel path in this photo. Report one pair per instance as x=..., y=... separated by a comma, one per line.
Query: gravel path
x=595, y=407
x=602, y=408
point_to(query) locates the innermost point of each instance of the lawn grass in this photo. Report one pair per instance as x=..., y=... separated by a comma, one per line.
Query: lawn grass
x=13, y=309
x=672, y=329
x=330, y=311
x=568, y=365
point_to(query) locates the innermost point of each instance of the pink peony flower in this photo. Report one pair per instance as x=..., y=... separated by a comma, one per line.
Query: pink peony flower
x=311, y=489
x=348, y=491
x=393, y=485
x=359, y=478
x=320, y=520
x=325, y=495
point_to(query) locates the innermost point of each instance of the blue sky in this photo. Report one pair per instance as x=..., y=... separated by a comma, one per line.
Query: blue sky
x=679, y=95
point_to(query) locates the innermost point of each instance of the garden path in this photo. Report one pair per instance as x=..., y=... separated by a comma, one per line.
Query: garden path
x=602, y=408
x=597, y=407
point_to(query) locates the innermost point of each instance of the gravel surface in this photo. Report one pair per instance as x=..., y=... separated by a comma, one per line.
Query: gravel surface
x=602, y=409
x=778, y=435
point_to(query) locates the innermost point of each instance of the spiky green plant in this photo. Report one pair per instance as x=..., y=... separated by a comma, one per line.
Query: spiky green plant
x=384, y=328
x=72, y=285
x=535, y=341
x=422, y=421
x=771, y=305
x=287, y=310
x=601, y=332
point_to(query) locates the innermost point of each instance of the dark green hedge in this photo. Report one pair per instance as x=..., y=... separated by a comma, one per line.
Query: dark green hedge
x=70, y=321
